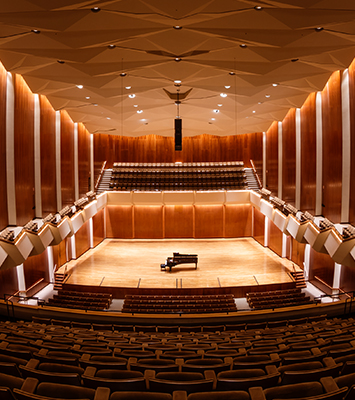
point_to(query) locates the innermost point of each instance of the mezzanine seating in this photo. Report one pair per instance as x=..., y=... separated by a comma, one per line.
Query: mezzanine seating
x=277, y=298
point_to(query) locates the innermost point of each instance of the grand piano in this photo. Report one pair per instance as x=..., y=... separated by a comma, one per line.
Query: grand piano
x=179, y=259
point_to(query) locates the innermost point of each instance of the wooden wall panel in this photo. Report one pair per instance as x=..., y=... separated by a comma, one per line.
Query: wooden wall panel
x=3, y=195
x=48, y=157
x=67, y=159
x=103, y=151
x=297, y=255
x=289, y=157
x=98, y=222
x=209, y=221
x=60, y=254
x=275, y=240
x=36, y=268
x=308, y=154
x=238, y=220
x=119, y=222
x=352, y=142
x=8, y=282
x=332, y=148
x=347, y=278
x=272, y=158
x=259, y=226
x=148, y=222
x=322, y=266
x=24, y=151
x=82, y=240
x=83, y=159
x=179, y=221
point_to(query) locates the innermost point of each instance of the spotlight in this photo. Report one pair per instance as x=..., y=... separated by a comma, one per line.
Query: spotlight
x=139, y=111
x=35, y=31
x=177, y=27
x=96, y=9
x=258, y=8
x=275, y=84
x=177, y=59
x=111, y=46
x=294, y=59
x=79, y=86
x=60, y=62
x=232, y=73
x=132, y=96
x=318, y=28
x=243, y=45
x=223, y=95
x=123, y=74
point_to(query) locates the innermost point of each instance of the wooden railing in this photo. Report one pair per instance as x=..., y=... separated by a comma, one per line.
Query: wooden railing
x=255, y=173
x=100, y=175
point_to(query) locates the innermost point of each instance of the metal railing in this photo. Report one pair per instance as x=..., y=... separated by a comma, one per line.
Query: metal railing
x=255, y=173
x=100, y=175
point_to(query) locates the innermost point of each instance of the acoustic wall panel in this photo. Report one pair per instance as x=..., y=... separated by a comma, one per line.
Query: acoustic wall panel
x=83, y=159
x=36, y=269
x=3, y=194
x=98, y=221
x=148, y=222
x=82, y=240
x=238, y=220
x=24, y=151
x=258, y=226
x=332, y=148
x=289, y=157
x=8, y=282
x=272, y=157
x=47, y=149
x=297, y=254
x=209, y=221
x=321, y=266
x=179, y=221
x=352, y=142
x=275, y=240
x=67, y=159
x=119, y=222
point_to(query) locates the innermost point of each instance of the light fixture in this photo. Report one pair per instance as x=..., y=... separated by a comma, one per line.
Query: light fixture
x=128, y=87
x=232, y=73
x=223, y=95
x=79, y=86
x=177, y=81
x=95, y=104
x=220, y=105
x=216, y=111
x=254, y=111
x=267, y=95
x=139, y=111
x=123, y=74
x=177, y=27
x=177, y=59
x=318, y=28
x=258, y=8
x=132, y=96
x=35, y=31
x=135, y=105
x=111, y=46
x=294, y=59
x=227, y=87
x=259, y=102
x=108, y=118
x=60, y=62
x=95, y=9
x=243, y=45
x=213, y=119
x=275, y=84
x=87, y=97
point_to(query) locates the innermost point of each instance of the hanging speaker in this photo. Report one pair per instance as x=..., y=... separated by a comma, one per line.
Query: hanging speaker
x=178, y=134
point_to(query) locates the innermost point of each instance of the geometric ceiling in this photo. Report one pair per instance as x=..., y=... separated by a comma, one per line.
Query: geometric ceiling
x=266, y=56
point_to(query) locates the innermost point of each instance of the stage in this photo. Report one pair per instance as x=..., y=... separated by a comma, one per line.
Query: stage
x=222, y=263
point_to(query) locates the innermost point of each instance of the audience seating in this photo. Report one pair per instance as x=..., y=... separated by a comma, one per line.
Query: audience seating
x=81, y=300
x=277, y=298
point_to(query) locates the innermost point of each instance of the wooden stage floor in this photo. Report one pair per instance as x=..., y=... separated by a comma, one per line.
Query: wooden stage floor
x=136, y=263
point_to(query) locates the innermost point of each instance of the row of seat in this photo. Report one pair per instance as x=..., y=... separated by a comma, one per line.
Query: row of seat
x=80, y=300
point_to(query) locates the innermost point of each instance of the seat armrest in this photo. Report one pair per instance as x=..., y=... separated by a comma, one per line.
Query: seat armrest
x=256, y=393
x=242, y=350
x=43, y=352
x=271, y=369
x=148, y=374
x=90, y=371
x=201, y=352
x=179, y=395
x=131, y=360
x=85, y=357
x=229, y=360
x=102, y=393
x=210, y=374
x=29, y=385
x=315, y=351
x=32, y=363
x=329, y=384
x=329, y=362
x=274, y=356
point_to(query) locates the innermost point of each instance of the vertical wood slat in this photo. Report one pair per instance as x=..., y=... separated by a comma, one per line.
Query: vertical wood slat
x=67, y=159
x=332, y=148
x=289, y=157
x=272, y=158
x=352, y=142
x=3, y=183
x=83, y=159
x=24, y=151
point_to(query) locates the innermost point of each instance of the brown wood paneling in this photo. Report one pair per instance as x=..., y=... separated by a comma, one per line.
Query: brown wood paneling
x=322, y=266
x=60, y=254
x=272, y=158
x=67, y=159
x=238, y=220
x=119, y=222
x=347, y=278
x=24, y=151
x=36, y=268
x=259, y=226
x=82, y=240
x=352, y=142
x=8, y=282
x=98, y=221
x=3, y=194
x=289, y=157
x=308, y=154
x=83, y=159
x=209, y=221
x=297, y=255
x=275, y=239
x=179, y=221
x=48, y=157
x=148, y=222
x=332, y=148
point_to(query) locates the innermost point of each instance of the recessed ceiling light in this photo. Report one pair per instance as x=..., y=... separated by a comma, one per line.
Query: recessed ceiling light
x=254, y=111
x=275, y=84
x=123, y=74
x=213, y=119
x=87, y=97
x=111, y=46
x=79, y=86
x=232, y=73
x=177, y=81
x=132, y=96
x=177, y=59
x=259, y=102
x=139, y=111
x=60, y=61
x=243, y=45
x=95, y=104
x=258, y=8
x=219, y=105
x=108, y=118
x=227, y=87
x=135, y=105
x=216, y=111
x=223, y=95
x=267, y=95
x=35, y=31
x=128, y=87
x=95, y=9
x=318, y=28
x=177, y=27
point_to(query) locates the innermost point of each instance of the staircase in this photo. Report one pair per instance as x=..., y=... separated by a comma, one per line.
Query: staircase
x=105, y=181
x=252, y=182
x=59, y=280
x=298, y=276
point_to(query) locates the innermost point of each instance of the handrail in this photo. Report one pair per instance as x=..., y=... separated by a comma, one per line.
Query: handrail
x=325, y=283
x=100, y=175
x=255, y=173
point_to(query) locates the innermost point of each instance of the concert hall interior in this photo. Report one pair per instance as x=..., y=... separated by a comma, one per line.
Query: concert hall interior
x=177, y=172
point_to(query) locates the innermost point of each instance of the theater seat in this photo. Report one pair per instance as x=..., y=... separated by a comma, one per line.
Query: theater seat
x=200, y=365
x=227, y=395
x=140, y=396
